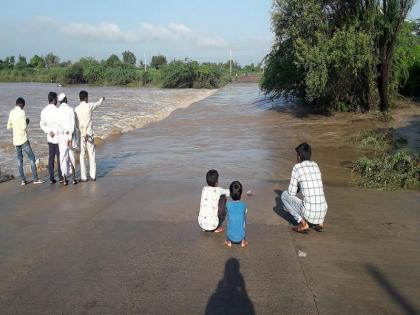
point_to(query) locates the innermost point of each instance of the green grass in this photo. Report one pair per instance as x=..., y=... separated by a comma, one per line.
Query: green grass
x=388, y=171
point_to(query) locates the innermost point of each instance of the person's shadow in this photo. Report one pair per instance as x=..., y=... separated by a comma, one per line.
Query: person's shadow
x=230, y=297
x=279, y=209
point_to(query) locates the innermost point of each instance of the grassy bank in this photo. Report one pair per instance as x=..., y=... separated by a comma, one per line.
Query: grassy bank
x=384, y=167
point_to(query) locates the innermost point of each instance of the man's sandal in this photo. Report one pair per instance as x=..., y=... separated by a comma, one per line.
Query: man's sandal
x=304, y=231
x=319, y=228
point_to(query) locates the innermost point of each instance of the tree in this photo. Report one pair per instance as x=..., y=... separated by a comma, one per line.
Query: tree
x=21, y=62
x=158, y=61
x=51, y=60
x=113, y=61
x=37, y=62
x=334, y=53
x=389, y=24
x=129, y=58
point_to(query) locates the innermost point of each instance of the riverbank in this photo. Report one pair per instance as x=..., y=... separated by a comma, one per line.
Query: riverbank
x=129, y=242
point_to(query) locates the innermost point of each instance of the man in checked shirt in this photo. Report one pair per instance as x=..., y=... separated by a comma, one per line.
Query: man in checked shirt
x=306, y=177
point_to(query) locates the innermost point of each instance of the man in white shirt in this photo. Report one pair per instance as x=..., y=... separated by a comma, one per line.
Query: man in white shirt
x=66, y=129
x=84, y=124
x=306, y=176
x=49, y=118
x=18, y=123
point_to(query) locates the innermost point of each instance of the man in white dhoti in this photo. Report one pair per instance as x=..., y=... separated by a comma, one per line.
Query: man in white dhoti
x=84, y=123
x=66, y=130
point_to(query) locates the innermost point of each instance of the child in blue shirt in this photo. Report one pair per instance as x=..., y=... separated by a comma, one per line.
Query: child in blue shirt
x=236, y=217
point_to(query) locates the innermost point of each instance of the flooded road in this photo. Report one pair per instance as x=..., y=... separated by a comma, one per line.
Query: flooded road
x=125, y=109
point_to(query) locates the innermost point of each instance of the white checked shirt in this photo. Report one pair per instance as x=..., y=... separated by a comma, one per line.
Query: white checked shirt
x=208, y=218
x=307, y=176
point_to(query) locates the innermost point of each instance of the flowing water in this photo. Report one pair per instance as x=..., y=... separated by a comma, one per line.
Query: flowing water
x=125, y=109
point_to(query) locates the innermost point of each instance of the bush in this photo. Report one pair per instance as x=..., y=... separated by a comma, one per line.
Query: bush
x=378, y=140
x=74, y=74
x=120, y=76
x=190, y=74
x=389, y=171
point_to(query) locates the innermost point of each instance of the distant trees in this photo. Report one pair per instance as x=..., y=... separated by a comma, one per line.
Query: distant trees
x=37, y=62
x=158, y=61
x=335, y=54
x=51, y=60
x=129, y=58
x=190, y=74
x=113, y=61
x=116, y=71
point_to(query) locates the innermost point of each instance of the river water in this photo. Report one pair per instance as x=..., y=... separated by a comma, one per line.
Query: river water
x=125, y=109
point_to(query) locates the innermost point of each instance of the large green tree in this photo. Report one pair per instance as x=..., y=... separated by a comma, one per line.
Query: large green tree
x=334, y=52
x=389, y=23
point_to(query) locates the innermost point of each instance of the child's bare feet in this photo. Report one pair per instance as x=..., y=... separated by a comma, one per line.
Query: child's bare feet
x=244, y=243
x=228, y=243
x=219, y=229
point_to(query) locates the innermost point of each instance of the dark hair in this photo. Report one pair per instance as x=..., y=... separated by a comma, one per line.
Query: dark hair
x=235, y=190
x=52, y=96
x=212, y=178
x=83, y=95
x=20, y=102
x=304, y=151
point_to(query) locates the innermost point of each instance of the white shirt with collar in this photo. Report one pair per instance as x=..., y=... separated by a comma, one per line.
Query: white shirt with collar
x=17, y=122
x=49, y=122
x=65, y=121
x=84, y=116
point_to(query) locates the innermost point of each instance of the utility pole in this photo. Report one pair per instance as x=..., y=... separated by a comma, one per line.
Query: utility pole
x=230, y=63
x=145, y=64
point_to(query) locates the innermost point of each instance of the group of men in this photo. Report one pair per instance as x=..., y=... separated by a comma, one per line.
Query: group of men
x=68, y=131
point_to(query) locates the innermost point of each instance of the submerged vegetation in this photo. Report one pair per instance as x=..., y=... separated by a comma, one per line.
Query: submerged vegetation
x=126, y=71
x=343, y=55
x=390, y=171
x=385, y=169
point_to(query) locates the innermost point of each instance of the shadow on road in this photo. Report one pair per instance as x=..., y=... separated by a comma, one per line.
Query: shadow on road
x=406, y=306
x=279, y=209
x=230, y=297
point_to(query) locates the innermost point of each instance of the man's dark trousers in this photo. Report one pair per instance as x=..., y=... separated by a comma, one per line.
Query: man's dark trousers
x=53, y=151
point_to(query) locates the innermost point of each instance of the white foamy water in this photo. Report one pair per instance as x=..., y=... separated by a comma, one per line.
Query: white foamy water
x=125, y=109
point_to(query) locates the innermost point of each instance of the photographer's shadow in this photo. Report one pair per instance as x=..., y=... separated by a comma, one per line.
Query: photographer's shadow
x=230, y=296
x=279, y=209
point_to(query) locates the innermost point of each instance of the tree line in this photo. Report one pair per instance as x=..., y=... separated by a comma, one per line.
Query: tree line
x=121, y=71
x=343, y=54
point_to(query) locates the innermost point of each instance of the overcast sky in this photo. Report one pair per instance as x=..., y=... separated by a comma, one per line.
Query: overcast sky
x=198, y=29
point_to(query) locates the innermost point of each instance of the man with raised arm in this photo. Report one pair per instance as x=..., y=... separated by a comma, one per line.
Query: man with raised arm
x=84, y=123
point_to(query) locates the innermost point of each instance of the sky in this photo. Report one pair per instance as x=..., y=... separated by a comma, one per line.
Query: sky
x=203, y=30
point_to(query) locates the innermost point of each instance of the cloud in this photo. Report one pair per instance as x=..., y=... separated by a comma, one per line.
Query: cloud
x=173, y=31
x=210, y=42
x=107, y=32
x=103, y=32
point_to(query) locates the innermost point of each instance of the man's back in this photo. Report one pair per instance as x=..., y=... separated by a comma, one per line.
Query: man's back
x=307, y=176
x=49, y=120
x=65, y=118
x=17, y=122
x=84, y=116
